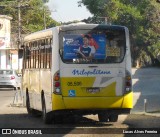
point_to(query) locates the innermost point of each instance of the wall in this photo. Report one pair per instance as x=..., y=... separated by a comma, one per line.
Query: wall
x=5, y=46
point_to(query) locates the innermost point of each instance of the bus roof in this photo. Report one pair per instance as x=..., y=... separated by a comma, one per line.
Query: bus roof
x=90, y=26
x=38, y=35
x=49, y=32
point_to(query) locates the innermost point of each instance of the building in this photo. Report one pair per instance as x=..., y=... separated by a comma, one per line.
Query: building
x=8, y=51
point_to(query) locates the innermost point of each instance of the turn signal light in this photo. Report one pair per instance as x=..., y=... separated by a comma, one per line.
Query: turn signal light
x=128, y=77
x=56, y=78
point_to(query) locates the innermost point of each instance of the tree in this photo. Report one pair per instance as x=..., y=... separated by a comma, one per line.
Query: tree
x=32, y=14
x=141, y=17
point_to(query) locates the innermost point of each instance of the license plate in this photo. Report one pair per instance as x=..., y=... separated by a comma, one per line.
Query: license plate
x=93, y=90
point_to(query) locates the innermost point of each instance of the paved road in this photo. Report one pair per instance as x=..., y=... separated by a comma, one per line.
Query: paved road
x=146, y=85
x=6, y=97
x=6, y=94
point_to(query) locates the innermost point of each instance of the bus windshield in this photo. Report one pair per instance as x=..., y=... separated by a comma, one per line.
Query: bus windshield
x=92, y=46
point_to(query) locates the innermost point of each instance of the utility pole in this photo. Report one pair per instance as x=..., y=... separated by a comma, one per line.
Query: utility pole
x=19, y=32
x=19, y=37
x=105, y=20
x=19, y=24
x=44, y=17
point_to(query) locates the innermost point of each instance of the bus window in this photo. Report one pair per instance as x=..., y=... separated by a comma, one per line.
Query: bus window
x=94, y=46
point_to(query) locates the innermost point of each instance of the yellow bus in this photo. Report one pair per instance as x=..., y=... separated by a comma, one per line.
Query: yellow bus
x=78, y=69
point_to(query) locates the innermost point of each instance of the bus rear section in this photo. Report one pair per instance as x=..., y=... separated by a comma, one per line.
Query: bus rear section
x=94, y=71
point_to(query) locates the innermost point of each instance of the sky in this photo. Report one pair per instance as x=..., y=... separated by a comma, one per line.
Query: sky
x=67, y=10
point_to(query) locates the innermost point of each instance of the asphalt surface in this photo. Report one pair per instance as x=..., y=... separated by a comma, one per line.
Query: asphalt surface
x=146, y=89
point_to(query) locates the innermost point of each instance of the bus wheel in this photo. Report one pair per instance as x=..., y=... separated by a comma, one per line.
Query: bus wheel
x=113, y=118
x=103, y=117
x=29, y=110
x=47, y=117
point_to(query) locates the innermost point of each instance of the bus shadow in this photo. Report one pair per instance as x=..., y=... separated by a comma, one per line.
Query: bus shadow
x=70, y=125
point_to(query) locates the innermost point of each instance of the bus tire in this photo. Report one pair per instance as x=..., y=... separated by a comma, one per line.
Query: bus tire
x=103, y=117
x=47, y=117
x=29, y=110
x=113, y=118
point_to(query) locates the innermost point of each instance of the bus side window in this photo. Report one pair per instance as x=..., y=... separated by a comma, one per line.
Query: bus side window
x=50, y=55
x=42, y=54
x=38, y=43
x=28, y=52
x=36, y=55
x=27, y=55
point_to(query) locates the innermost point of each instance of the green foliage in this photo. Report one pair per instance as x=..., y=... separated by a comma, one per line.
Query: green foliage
x=141, y=17
x=32, y=14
